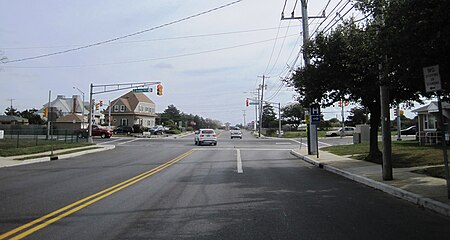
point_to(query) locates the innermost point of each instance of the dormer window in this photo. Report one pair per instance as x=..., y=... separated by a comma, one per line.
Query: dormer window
x=116, y=108
x=122, y=108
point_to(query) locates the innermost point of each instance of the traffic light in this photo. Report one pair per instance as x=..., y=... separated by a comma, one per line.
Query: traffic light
x=101, y=103
x=346, y=103
x=96, y=106
x=159, y=90
x=402, y=112
x=246, y=102
x=46, y=112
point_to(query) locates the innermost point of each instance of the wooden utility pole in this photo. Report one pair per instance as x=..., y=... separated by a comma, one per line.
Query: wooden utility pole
x=312, y=129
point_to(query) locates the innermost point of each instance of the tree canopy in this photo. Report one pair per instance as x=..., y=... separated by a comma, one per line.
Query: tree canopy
x=345, y=62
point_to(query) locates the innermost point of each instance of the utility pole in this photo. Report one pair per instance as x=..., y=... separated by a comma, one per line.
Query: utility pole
x=11, y=101
x=311, y=128
x=256, y=111
x=279, y=119
x=385, y=110
x=261, y=103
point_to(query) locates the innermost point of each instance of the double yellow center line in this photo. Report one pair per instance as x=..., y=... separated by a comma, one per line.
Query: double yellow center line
x=52, y=217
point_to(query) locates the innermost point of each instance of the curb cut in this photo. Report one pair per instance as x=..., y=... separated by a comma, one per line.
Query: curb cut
x=417, y=199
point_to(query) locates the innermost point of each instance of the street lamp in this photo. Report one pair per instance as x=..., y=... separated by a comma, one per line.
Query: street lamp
x=82, y=107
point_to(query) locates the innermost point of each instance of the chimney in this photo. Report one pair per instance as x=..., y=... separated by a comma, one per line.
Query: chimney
x=74, y=103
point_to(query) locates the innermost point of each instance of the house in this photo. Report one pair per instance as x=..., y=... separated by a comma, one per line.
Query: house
x=13, y=120
x=63, y=106
x=428, y=130
x=69, y=122
x=132, y=109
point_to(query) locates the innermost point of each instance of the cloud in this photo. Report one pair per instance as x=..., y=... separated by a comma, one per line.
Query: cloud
x=162, y=65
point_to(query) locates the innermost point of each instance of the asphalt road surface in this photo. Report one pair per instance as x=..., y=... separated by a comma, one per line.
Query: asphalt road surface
x=171, y=189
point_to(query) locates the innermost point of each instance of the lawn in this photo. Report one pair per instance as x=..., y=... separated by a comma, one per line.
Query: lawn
x=10, y=147
x=404, y=154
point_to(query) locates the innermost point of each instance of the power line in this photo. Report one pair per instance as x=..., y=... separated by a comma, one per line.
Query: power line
x=154, y=59
x=157, y=39
x=125, y=36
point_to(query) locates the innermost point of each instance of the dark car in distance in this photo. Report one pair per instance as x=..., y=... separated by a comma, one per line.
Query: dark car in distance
x=123, y=129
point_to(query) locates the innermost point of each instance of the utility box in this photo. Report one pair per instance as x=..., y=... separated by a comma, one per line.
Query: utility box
x=362, y=134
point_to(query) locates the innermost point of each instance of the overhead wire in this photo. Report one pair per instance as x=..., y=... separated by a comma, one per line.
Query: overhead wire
x=125, y=36
x=152, y=59
x=153, y=40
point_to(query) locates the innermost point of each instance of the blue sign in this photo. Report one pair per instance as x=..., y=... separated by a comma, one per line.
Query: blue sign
x=315, y=114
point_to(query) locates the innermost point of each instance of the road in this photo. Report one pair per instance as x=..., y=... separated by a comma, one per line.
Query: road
x=171, y=189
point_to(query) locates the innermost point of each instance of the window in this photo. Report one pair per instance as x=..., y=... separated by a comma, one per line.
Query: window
x=122, y=108
x=124, y=122
x=116, y=108
x=146, y=109
x=429, y=121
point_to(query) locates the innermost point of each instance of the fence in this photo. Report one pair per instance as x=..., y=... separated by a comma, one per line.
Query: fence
x=34, y=135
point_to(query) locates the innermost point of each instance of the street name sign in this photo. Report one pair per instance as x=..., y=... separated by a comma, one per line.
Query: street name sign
x=432, y=78
x=140, y=90
x=253, y=103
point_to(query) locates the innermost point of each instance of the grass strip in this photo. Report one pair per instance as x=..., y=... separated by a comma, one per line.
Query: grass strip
x=61, y=153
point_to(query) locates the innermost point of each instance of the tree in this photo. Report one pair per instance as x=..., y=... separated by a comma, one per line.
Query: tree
x=268, y=117
x=293, y=114
x=358, y=116
x=32, y=117
x=10, y=111
x=344, y=66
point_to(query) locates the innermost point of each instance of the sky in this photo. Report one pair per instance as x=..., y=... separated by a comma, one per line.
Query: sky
x=208, y=64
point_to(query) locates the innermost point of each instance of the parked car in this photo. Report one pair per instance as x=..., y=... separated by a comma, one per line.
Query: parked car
x=96, y=131
x=205, y=136
x=347, y=131
x=236, y=134
x=157, y=130
x=123, y=129
x=409, y=131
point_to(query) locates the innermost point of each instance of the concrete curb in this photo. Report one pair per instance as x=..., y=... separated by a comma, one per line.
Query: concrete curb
x=420, y=200
x=63, y=156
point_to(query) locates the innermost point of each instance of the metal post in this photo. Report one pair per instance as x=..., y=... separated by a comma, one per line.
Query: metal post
x=256, y=112
x=343, y=118
x=444, y=145
x=109, y=115
x=279, y=119
x=90, y=140
x=399, y=124
x=48, y=113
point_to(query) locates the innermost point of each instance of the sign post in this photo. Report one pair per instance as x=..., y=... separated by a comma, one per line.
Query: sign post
x=433, y=84
x=314, y=112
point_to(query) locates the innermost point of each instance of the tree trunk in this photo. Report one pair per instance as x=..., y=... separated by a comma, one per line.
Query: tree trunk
x=375, y=120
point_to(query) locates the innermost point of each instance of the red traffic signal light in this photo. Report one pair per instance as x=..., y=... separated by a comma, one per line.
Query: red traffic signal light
x=246, y=102
x=101, y=103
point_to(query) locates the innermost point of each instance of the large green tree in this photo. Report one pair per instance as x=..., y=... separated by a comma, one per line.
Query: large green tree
x=269, y=119
x=293, y=114
x=11, y=111
x=32, y=117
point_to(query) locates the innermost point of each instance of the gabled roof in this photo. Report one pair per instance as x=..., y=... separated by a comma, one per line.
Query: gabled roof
x=132, y=99
x=70, y=118
x=431, y=108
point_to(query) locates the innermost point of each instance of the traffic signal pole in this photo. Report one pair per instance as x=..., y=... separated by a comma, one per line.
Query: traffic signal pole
x=106, y=88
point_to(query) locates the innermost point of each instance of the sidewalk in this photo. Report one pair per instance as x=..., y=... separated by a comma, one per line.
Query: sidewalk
x=10, y=162
x=420, y=189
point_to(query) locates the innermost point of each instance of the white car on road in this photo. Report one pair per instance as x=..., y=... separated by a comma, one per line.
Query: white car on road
x=348, y=131
x=205, y=136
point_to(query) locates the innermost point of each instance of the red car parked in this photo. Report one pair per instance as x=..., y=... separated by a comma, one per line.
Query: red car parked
x=96, y=131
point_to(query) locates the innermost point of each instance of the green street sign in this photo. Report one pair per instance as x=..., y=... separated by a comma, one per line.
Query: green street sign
x=140, y=90
x=253, y=103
